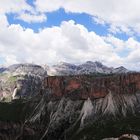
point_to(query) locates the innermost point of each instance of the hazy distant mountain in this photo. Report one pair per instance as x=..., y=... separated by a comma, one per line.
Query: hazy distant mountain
x=120, y=70
x=88, y=67
x=2, y=69
x=22, y=69
x=62, y=68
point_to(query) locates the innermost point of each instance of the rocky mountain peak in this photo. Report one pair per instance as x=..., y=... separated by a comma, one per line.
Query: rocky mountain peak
x=66, y=65
x=65, y=107
x=23, y=69
x=88, y=67
x=120, y=69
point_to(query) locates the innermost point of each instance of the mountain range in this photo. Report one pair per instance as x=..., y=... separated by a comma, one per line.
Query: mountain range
x=89, y=101
x=88, y=67
x=64, y=68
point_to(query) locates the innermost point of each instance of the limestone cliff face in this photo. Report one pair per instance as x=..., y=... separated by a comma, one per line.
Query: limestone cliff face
x=93, y=87
x=19, y=86
x=21, y=81
x=74, y=108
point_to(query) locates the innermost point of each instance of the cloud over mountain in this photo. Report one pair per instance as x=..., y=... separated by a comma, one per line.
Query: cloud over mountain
x=70, y=42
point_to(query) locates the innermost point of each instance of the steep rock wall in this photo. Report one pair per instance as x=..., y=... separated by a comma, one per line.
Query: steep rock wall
x=78, y=107
x=93, y=87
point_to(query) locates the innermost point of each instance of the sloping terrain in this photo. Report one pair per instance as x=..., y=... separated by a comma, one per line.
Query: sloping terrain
x=21, y=81
x=86, y=107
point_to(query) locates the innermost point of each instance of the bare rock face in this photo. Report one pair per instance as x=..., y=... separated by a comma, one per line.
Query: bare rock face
x=21, y=81
x=29, y=78
x=89, y=67
x=125, y=137
x=84, y=87
x=16, y=94
x=72, y=107
x=120, y=70
x=14, y=87
x=129, y=137
x=26, y=69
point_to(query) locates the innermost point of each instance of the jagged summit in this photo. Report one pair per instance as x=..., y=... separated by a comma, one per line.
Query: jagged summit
x=65, y=107
x=120, y=69
x=88, y=67
x=63, y=68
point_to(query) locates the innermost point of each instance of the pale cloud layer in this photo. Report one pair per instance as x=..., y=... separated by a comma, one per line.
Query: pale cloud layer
x=70, y=42
x=22, y=10
x=31, y=18
x=122, y=15
x=13, y=6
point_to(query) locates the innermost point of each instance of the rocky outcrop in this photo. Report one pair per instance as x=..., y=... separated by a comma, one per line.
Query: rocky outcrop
x=32, y=78
x=101, y=106
x=89, y=67
x=21, y=81
x=93, y=87
x=26, y=69
x=19, y=86
x=84, y=107
x=16, y=94
x=125, y=137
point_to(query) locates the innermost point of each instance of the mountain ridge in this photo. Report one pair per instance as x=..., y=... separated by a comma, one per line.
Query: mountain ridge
x=88, y=67
x=75, y=107
x=63, y=68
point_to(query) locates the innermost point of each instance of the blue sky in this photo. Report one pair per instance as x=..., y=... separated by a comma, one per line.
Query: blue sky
x=56, y=17
x=90, y=29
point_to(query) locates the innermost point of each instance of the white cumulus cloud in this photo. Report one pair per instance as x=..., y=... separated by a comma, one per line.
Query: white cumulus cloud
x=31, y=18
x=122, y=15
x=70, y=42
x=22, y=10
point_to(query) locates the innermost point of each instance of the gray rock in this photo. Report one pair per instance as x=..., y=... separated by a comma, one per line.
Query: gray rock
x=21, y=81
x=88, y=67
x=24, y=69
